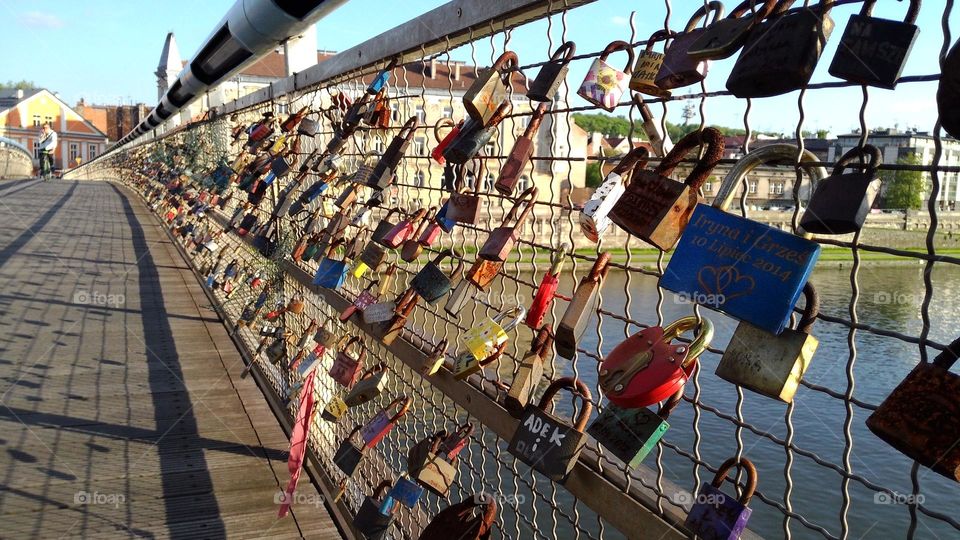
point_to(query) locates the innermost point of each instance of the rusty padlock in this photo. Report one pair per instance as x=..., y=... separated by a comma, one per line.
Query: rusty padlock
x=520, y=154
x=402, y=310
x=581, y=307
x=501, y=240
x=655, y=208
x=552, y=74
x=371, y=384
x=482, y=273
x=529, y=372
x=412, y=247
x=725, y=37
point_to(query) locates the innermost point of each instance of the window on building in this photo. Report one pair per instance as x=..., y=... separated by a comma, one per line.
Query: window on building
x=776, y=188
x=36, y=149
x=523, y=184
x=394, y=112
x=91, y=151
x=490, y=149
x=74, y=152
x=420, y=114
x=708, y=187
x=753, y=186
x=420, y=179
x=36, y=120
x=378, y=145
x=48, y=120
x=448, y=112
x=420, y=146
x=489, y=182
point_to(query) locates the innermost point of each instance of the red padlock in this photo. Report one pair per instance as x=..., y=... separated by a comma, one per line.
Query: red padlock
x=454, y=443
x=647, y=368
x=403, y=230
x=547, y=290
x=443, y=143
x=431, y=233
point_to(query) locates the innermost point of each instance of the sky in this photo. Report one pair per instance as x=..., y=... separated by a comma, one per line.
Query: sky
x=106, y=51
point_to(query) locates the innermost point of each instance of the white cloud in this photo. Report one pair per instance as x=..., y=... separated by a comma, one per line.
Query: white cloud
x=619, y=20
x=38, y=19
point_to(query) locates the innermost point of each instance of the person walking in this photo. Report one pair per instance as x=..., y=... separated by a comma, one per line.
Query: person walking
x=48, y=146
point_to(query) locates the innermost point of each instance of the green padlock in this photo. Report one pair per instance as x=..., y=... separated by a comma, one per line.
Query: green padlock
x=630, y=434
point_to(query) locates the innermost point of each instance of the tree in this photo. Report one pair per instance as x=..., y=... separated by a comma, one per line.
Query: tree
x=594, y=176
x=905, y=189
x=17, y=85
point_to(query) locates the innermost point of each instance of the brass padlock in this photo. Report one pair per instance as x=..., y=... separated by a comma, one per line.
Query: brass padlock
x=725, y=37
x=370, y=385
x=490, y=89
x=433, y=361
x=782, y=52
x=648, y=65
x=678, y=69
x=772, y=365
x=529, y=372
x=840, y=203
x=581, y=308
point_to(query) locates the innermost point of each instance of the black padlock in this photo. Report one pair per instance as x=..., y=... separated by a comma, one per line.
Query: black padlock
x=948, y=93
x=545, y=86
x=725, y=37
x=873, y=51
x=782, y=52
x=349, y=455
x=430, y=282
x=840, y=203
x=473, y=136
x=376, y=513
x=384, y=171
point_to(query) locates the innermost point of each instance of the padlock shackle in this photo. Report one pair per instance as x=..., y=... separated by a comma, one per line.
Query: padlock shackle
x=578, y=388
x=409, y=127
x=535, y=119
x=659, y=35
x=404, y=404
x=518, y=311
x=618, y=45
x=811, y=308
x=910, y=18
x=712, y=139
x=442, y=123
x=507, y=59
x=502, y=111
x=715, y=7
x=543, y=341
x=599, y=269
x=381, y=489
x=700, y=342
x=748, y=467
x=948, y=356
x=779, y=153
x=635, y=160
x=440, y=348
x=564, y=53
x=871, y=154
x=764, y=9
x=559, y=257
x=528, y=198
x=668, y=406
x=372, y=371
x=404, y=303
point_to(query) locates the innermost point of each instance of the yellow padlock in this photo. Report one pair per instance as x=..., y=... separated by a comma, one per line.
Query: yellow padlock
x=278, y=145
x=483, y=340
x=359, y=268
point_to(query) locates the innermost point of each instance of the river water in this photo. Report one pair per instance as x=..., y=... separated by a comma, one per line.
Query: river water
x=890, y=299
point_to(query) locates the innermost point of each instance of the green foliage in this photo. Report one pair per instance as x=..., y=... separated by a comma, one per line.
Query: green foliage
x=905, y=189
x=594, y=176
x=21, y=85
x=619, y=126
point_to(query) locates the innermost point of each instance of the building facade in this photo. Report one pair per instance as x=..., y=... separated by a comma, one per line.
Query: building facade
x=23, y=112
x=114, y=120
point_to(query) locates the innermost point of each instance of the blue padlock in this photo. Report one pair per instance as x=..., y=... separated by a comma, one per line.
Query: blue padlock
x=441, y=218
x=405, y=491
x=743, y=268
x=381, y=79
x=718, y=516
x=331, y=273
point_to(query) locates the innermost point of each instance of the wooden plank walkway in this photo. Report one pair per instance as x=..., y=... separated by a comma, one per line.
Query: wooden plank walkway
x=122, y=413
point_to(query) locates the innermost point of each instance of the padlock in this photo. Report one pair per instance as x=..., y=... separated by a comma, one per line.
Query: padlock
x=483, y=272
x=547, y=290
x=873, y=51
x=362, y=217
x=647, y=367
x=458, y=299
x=581, y=307
x=659, y=139
x=349, y=454
x=308, y=333
x=370, y=385
x=403, y=230
x=279, y=167
x=529, y=372
x=595, y=215
x=404, y=307
x=631, y=434
x=501, y=240
x=379, y=312
x=921, y=417
x=385, y=169
x=948, y=92
x=547, y=443
x=466, y=363
x=406, y=492
x=294, y=120
x=717, y=516
x=782, y=52
x=334, y=409
x=363, y=300
x=381, y=424
x=433, y=461
x=380, y=81
x=308, y=127
x=347, y=197
x=485, y=337
x=679, y=69
x=327, y=337
x=520, y=154
x=376, y=514
x=655, y=208
x=355, y=246
x=433, y=361
x=470, y=519
x=431, y=233
x=552, y=73
x=749, y=270
x=277, y=351
x=490, y=89
x=384, y=227
x=772, y=365
x=724, y=37
x=345, y=367
x=331, y=273
x=840, y=202
x=444, y=142
x=296, y=304
x=463, y=206
x=412, y=248
x=473, y=136
x=311, y=362
x=604, y=84
x=649, y=62
x=430, y=282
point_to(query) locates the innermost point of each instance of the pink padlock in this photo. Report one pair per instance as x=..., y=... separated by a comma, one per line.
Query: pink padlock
x=381, y=424
x=403, y=230
x=604, y=84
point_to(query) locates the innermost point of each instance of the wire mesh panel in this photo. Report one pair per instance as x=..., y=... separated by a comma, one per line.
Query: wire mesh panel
x=883, y=301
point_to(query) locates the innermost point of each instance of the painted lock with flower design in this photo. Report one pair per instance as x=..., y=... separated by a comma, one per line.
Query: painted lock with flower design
x=604, y=84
